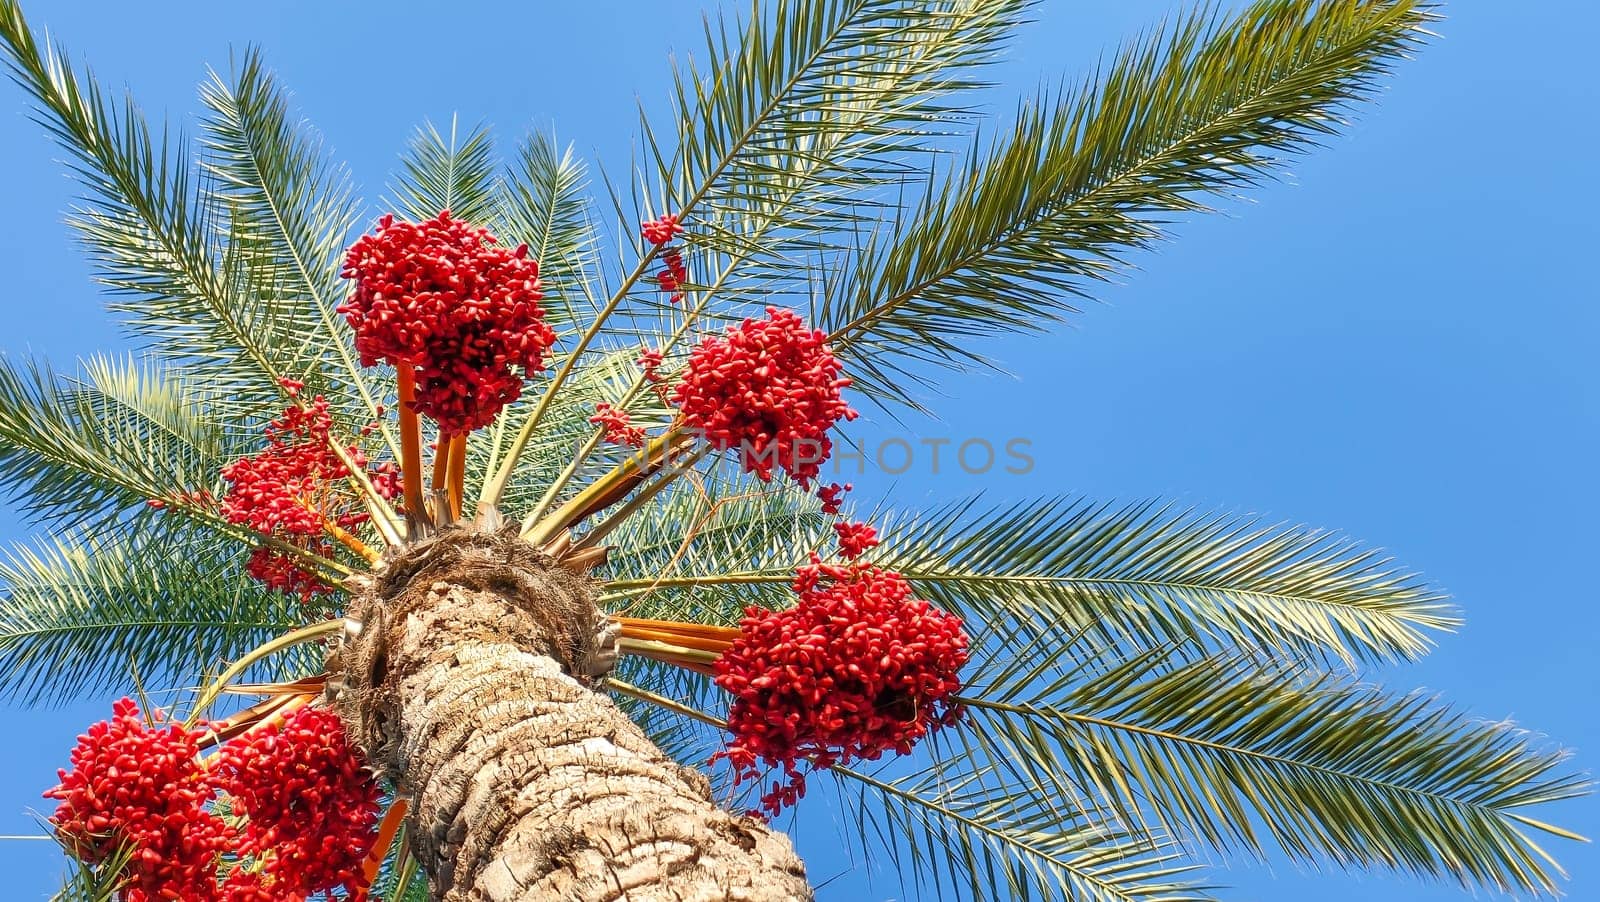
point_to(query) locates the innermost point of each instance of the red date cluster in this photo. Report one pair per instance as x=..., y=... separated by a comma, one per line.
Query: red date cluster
x=275, y=490
x=288, y=490
x=142, y=788
x=660, y=232
x=445, y=298
x=770, y=388
x=676, y=273
x=650, y=361
x=832, y=496
x=856, y=668
x=312, y=805
x=618, y=427
x=855, y=538
x=281, y=572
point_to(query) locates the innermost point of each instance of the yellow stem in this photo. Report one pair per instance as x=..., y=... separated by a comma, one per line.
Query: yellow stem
x=439, y=505
x=540, y=532
x=677, y=707
x=301, y=686
x=694, y=659
x=259, y=717
x=632, y=646
x=240, y=721
x=280, y=716
x=383, y=516
x=598, y=533
x=703, y=630
x=208, y=695
x=349, y=541
x=698, y=643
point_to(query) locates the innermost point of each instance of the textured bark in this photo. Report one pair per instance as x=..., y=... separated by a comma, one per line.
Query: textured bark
x=469, y=685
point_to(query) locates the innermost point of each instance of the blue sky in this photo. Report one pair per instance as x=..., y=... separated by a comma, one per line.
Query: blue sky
x=1396, y=340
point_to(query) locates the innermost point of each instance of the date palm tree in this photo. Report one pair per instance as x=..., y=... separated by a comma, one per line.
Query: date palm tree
x=524, y=651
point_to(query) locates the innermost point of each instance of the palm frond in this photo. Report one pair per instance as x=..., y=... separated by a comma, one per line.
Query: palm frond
x=963, y=830
x=1234, y=755
x=545, y=204
x=1009, y=238
x=77, y=616
x=91, y=454
x=804, y=114
x=154, y=238
x=1150, y=574
x=291, y=211
x=1142, y=576
x=456, y=173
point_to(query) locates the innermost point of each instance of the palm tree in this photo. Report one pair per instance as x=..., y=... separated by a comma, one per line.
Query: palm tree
x=524, y=649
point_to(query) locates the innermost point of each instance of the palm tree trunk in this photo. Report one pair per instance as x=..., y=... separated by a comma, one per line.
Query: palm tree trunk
x=468, y=685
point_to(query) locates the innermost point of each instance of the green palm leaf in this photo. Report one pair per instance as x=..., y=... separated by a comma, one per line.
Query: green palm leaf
x=545, y=204
x=100, y=883
x=959, y=829
x=388, y=885
x=153, y=235
x=452, y=173
x=1008, y=238
x=1321, y=767
x=804, y=113
x=1149, y=574
x=76, y=616
x=92, y=453
x=292, y=211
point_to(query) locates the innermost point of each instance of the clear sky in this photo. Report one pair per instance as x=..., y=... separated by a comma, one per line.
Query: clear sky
x=1397, y=340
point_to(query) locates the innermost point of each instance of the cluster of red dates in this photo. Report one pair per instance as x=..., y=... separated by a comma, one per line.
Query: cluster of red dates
x=291, y=804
